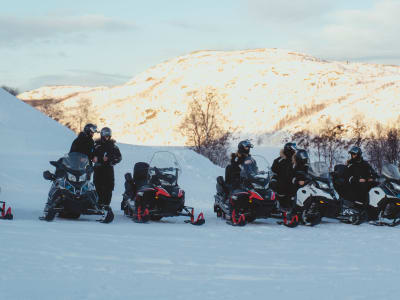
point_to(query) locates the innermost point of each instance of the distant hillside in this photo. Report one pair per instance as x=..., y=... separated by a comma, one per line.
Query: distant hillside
x=261, y=91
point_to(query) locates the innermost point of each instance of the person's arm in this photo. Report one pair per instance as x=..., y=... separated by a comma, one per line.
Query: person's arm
x=74, y=146
x=116, y=156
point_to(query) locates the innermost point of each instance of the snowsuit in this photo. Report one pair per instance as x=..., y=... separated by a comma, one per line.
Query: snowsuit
x=104, y=170
x=359, y=169
x=232, y=172
x=83, y=144
x=299, y=173
x=281, y=180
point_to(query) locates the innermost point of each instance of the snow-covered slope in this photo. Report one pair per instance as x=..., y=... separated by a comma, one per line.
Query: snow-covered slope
x=83, y=259
x=259, y=91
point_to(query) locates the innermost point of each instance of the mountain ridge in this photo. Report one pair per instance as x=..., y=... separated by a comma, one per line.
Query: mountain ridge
x=261, y=91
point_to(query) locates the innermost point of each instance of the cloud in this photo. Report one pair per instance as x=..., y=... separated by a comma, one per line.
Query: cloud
x=15, y=30
x=362, y=34
x=192, y=25
x=78, y=77
x=287, y=11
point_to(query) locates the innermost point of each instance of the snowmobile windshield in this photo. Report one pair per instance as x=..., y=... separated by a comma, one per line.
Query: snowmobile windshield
x=391, y=171
x=319, y=169
x=75, y=162
x=165, y=167
x=257, y=171
x=261, y=163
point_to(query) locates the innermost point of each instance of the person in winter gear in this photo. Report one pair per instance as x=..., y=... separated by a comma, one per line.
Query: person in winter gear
x=233, y=171
x=108, y=155
x=300, y=162
x=84, y=142
x=360, y=176
x=281, y=180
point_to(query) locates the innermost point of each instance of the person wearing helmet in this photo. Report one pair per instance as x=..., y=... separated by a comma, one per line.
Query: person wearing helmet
x=108, y=155
x=360, y=176
x=84, y=143
x=300, y=161
x=234, y=169
x=281, y=180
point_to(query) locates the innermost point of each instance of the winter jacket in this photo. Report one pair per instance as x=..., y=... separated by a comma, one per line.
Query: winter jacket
x=282, y=168
x=83, y=144
x=232, y=171
x=357, y=169
x=104, y=170
x=300, y=173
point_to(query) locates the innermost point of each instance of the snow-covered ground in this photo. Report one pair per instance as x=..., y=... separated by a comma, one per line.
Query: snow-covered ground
x=169, y=259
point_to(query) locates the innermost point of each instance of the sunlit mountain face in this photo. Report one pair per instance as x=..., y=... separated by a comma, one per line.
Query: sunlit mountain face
x=259, y=91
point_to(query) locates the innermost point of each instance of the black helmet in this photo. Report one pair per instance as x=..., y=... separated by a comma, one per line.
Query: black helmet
x=90, y=129
x=357, y=151
x=301, y=157
x=105, y=131
x=244, y=147
x=289, y=149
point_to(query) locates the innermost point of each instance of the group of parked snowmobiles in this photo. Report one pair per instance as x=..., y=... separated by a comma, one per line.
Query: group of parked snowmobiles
x=250, y=190
x=241, y=199
x=151, y=193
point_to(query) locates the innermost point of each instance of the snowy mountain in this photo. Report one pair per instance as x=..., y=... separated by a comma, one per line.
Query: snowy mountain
x=260, y=91
x=83, y=259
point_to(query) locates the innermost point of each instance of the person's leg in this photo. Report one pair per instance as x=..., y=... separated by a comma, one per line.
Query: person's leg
x=107, y=196
x=101, y=193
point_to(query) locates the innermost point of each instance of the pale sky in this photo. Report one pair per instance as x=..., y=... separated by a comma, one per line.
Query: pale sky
x=100, y=42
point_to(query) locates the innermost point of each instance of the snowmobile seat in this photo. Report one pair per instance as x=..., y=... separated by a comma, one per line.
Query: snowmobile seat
x=141, y=172
x=232, y=174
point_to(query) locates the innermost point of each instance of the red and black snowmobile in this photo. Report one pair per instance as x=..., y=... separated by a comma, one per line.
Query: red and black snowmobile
x=244, y=195
x=5, y=213
x=153, y=192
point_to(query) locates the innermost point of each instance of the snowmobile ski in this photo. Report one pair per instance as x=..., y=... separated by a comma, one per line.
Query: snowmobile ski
x=5, y=214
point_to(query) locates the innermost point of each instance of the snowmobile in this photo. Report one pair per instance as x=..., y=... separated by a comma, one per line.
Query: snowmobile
x=326, y=195
x=241, y=199
x=153, y=192
x=352, y=212
x=317, y=198
x=72, y=194
x=384, y=199
x=5, y=214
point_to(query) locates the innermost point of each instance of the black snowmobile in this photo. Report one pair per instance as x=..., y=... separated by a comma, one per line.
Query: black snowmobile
x=153, y=193
x=241, y=199
x=72, y=194
x=5, y=213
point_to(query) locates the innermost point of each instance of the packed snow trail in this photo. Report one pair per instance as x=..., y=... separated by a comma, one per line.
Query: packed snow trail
x=83, y=259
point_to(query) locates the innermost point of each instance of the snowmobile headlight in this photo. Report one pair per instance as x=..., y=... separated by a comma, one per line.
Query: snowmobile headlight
x=82, y=177
x=323, y=185
x=71, y=177
x=84, y=188
x=396, y=186
x=69, y=187
x=164, y=182
x=258, y=186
